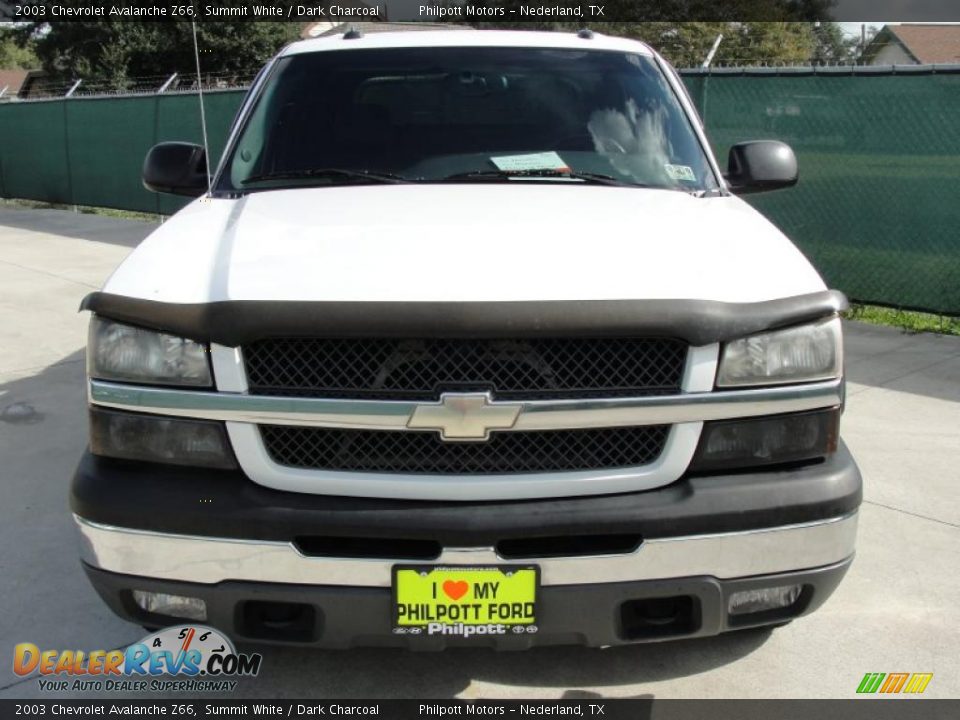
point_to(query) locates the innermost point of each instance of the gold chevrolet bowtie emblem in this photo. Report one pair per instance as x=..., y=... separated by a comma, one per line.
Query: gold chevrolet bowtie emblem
x=464, y=416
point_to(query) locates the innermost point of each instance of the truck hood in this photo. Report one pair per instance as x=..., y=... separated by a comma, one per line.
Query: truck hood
x=468, y=242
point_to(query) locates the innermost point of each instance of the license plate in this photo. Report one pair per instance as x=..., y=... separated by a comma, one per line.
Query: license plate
x=465, y=601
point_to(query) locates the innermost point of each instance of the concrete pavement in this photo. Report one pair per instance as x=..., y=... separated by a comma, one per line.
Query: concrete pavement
x=896, y=610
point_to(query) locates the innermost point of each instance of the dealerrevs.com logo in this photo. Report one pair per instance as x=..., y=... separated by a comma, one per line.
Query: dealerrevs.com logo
x=188, y=658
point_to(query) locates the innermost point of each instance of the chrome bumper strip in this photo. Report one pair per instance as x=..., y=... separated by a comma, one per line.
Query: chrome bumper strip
x=533, y=414
x=211, y=560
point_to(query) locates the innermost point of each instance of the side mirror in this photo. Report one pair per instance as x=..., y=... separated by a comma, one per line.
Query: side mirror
x=178, y=168
x=761, y=165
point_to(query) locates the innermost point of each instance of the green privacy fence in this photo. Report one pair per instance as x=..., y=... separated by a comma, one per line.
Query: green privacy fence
x=877, y=209
x=89, y=151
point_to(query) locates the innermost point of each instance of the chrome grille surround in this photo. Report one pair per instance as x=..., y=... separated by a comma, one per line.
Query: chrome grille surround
x=684, y=411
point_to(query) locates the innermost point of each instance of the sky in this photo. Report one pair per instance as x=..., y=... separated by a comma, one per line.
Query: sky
x=853, y=28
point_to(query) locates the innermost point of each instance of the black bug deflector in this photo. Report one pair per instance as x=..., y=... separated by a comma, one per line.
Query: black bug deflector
x=235, y=322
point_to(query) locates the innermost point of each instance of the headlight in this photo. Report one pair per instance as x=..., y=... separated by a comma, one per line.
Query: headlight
x=797, y=354
x=131, y=354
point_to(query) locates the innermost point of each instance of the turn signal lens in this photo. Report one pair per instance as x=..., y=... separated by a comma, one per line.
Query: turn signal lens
x=751, y=442
x=152, y=438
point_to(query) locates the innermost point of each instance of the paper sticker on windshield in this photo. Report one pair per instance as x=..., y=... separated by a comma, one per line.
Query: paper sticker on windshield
x=680, y=172
x=530, y=161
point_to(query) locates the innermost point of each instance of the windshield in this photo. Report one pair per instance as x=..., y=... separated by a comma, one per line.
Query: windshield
x=467, y=115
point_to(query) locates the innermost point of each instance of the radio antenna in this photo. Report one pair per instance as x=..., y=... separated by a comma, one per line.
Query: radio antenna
x=203, y=114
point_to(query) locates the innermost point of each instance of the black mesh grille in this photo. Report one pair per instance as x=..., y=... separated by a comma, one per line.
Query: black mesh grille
x=421, y=369
x=426, y=453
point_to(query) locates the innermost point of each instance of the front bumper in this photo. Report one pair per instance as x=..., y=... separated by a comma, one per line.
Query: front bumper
x=218, y=536
x=209, y=561
x=595, y=615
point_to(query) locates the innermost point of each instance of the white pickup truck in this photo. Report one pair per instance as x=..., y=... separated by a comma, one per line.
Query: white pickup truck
x=469, y=341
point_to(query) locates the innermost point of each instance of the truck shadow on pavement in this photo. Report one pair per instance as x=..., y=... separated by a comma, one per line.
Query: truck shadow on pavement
x=99, y=228
x=580, y=672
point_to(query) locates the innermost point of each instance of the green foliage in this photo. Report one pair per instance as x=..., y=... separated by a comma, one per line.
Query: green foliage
x=783, y=34
x=687, y=44
x=84, y=209
x=832, y=46
x=744, y=43
x=114, y=52
x=915, y=322
x=13, y=56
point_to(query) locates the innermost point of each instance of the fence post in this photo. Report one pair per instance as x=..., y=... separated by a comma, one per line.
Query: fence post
x=163, y=88
x=66, y=142
x=713, y=51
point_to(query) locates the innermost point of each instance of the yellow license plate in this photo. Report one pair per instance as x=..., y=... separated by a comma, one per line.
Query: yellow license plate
x=464, y=600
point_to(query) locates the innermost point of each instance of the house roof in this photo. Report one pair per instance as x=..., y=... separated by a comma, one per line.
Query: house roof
x=929, y=44
x=12, y=80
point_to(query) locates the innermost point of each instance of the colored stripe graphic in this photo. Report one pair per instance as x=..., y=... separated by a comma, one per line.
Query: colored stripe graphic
x=918, y=682
x=894, y=682
x=891, y=683
x=870, y=682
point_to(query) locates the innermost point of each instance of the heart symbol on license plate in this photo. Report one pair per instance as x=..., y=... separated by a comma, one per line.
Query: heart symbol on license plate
x=456, y=589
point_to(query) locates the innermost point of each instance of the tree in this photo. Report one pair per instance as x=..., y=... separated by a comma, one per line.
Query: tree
x=687, y=44
x=782, y=31
x=833, y=47
x=113, y=52
x=744, y=43
x=13, y=56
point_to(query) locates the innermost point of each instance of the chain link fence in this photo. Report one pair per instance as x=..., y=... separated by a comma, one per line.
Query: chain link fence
x=44, y=88
x=90, y=150
x=876, y=209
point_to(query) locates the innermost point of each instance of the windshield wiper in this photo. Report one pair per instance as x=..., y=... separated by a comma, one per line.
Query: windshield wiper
x=588, y=177
x=328, y=173
x=708, y=193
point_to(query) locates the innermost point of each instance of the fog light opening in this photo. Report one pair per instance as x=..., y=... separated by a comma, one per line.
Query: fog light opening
x=758, y=600
x=659, y=617
x=279, y=621
x=179, y=606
